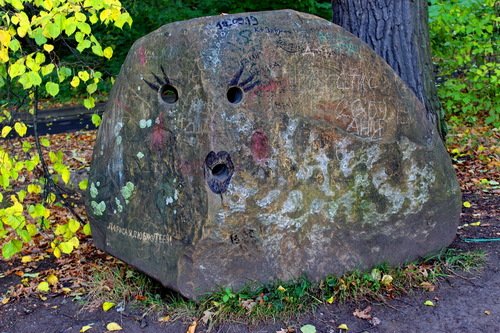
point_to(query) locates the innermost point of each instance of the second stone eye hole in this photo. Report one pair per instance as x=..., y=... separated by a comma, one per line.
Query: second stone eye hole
x=169, y=94
x=234, y=95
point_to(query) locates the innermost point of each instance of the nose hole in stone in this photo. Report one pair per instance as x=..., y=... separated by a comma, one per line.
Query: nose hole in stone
x=169, y=94
x=220, y=171
x=234, y=95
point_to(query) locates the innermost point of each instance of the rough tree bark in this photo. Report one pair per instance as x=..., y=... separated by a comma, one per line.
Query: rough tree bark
x=398, y=31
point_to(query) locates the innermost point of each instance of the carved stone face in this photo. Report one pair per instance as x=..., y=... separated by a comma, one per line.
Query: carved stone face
x=263, y=146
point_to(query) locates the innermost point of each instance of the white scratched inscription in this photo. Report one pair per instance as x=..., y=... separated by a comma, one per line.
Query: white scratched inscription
x=143, y=236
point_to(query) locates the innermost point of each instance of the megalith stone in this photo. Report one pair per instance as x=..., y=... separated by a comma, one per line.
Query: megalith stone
x=264, y=146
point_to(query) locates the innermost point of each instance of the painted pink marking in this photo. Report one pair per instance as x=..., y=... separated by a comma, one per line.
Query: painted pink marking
x=259, y=145
x=142, y=56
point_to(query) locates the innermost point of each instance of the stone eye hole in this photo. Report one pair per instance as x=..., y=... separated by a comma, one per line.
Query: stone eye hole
x=169, y=94
x=234, y=95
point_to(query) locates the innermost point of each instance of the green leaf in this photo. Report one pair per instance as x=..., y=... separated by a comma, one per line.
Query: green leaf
x=82, y=185
x=89, y=103
x=24, y=234
x=66, y=247
x=43, y=287
x=47, y=69
x=97, y=49
x=84, y=27
x=96, y=119
x=14, y=45
x=91, y=88
x=45, y=142
x=308, y=329
x=86, y=230
x=11, y=248
x=73, y=225
x=16, y=69
x=39, y=37
x=52, y=88
x=84, y=44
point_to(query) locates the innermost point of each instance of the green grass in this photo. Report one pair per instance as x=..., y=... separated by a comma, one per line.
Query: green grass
x=283, y=299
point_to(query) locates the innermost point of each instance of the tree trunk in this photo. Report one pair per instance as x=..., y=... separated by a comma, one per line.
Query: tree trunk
x=398, y=31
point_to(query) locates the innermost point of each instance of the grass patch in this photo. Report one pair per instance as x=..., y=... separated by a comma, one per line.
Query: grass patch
x=284, y=299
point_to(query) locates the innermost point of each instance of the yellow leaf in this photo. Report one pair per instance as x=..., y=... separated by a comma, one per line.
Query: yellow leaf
x=20, y=128
x=475, y=224
x=6, y=130
x=6, y=300
x=85, y=328
x=107, y=305
x=75, y=81
x=57, y=252
x=280, y=288
x=43, y=287
x=113, y=327
x=66, y=290
x=330, y=300
x=192, y=327
x=386, y=280
x=108, y=52
x=26, y=259
x=65, y=175
x=164, y=319
x=343, y=327
x=83, y=75
x=467, y=204
x=4, y=37
x=52, y=279
x=429, y=303
x=33, y=188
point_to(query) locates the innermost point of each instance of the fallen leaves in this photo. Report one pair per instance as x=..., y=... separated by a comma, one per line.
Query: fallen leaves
x=343, y=327
x=308, y=329
x=43, y=287
x=429, y=303
x=106, y=306
x=363, y=314
x=85, y=328
x=112, y=327
x=192, y=327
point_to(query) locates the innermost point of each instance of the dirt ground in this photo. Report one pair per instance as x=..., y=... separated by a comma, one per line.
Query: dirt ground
x=468, y=302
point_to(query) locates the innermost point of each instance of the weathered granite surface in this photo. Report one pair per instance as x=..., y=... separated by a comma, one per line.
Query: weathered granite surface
x=262, y=146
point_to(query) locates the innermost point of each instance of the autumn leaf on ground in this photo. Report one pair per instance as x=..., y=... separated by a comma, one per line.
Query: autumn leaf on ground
x=26, y=259
x=428, y=286
x=43, y=287
x=192, y=327
x=363, y=314
x=248, y=304
x=467, y=204
x=113, y=327
x=429, y=303
x=85, y=328
x=343, y=327
x=308, y=329
x=207, y=316
x=164, y=319
x=106, y=306
x=386, y=280
x=52, y=279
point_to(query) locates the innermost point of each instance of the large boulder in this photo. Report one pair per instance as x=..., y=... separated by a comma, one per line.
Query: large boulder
x=263, y=146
